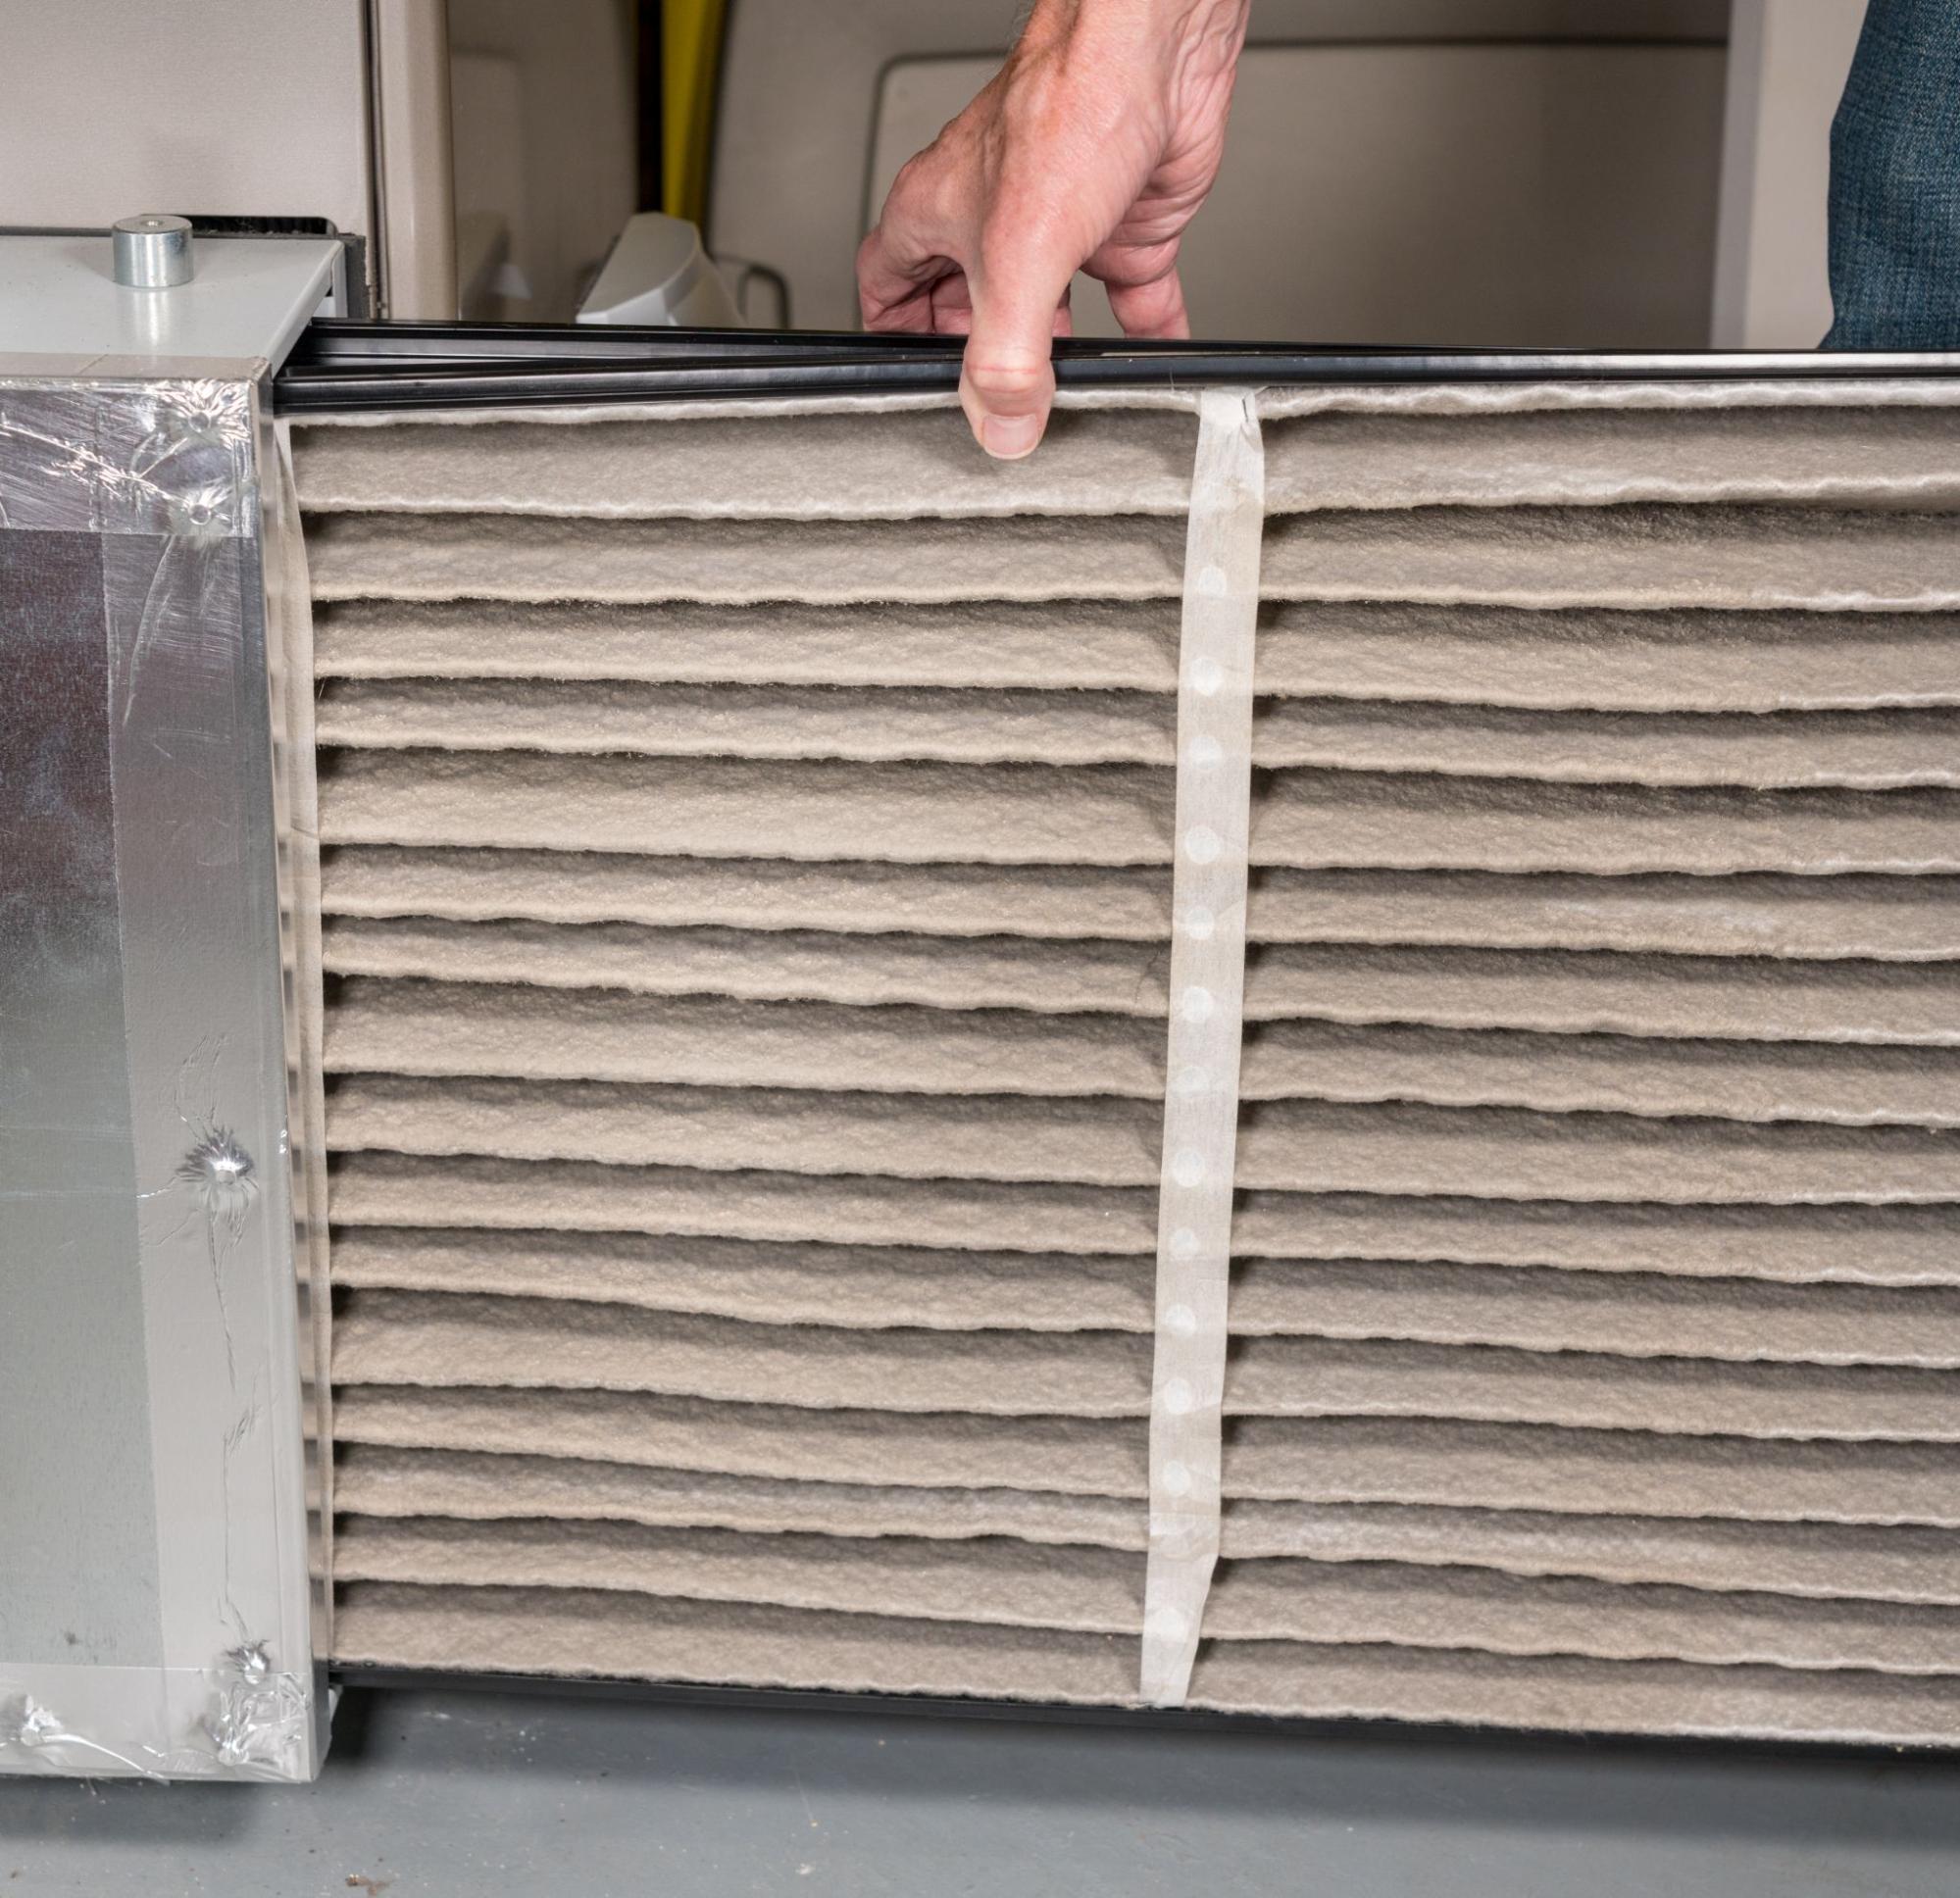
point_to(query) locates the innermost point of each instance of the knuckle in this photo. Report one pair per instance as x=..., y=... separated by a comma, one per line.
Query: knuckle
x=1006, y=377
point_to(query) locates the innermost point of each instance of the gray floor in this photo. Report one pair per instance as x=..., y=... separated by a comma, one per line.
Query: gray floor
x=495, y=1796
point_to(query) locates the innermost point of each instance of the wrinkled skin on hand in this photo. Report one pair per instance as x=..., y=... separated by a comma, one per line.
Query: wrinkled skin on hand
x=1090, y=149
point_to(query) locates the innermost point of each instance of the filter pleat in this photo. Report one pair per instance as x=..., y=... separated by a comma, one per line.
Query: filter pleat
x=746, y=916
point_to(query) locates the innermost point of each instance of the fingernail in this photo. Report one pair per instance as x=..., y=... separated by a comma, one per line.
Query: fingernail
x=1008, y=438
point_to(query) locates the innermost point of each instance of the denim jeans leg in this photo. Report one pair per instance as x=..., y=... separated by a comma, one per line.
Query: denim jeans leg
x=1896, y=182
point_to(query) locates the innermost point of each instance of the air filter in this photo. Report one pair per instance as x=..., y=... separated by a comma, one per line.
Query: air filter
x=1300, y=1057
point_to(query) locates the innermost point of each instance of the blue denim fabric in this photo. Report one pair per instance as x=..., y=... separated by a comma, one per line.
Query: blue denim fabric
x=1896, y=182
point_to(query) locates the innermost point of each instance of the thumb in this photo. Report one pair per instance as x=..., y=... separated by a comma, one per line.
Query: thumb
x=1007, y=383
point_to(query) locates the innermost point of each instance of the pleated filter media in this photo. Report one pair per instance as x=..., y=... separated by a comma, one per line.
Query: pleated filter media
x=761, y=889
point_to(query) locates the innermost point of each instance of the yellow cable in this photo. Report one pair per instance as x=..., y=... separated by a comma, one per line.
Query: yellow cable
x=690, y=51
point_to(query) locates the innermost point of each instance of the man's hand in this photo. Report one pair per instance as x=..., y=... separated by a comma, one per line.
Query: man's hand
x=1090, y=149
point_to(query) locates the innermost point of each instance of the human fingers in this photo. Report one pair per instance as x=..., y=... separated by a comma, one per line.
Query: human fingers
x=908, y=254
x=1007, y=382
x=1154, y=307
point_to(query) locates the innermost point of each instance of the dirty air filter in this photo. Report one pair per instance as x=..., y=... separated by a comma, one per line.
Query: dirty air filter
x=752, y=841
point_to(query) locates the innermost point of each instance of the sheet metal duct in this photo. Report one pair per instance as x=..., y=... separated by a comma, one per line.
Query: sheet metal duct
x=159, y=1337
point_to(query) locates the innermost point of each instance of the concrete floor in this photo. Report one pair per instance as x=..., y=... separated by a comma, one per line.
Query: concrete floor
x=433, y=1794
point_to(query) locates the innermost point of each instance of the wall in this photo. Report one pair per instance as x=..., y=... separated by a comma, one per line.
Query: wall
x=1788, y=63
x=571, y=184
x=228, y=108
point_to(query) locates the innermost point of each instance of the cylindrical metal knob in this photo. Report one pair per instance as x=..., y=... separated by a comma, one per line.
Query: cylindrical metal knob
x=153, y=251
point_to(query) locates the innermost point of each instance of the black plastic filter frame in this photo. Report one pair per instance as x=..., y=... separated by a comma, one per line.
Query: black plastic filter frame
x=1049, y=1713
x=341, y=366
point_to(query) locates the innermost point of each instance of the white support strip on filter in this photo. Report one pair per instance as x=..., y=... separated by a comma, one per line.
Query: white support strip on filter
x=1207, y=1006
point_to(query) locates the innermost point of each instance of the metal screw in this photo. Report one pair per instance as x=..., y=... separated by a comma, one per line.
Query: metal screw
x=153, y=252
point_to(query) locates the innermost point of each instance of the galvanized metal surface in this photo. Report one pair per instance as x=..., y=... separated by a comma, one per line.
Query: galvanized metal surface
x=156, y=1613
